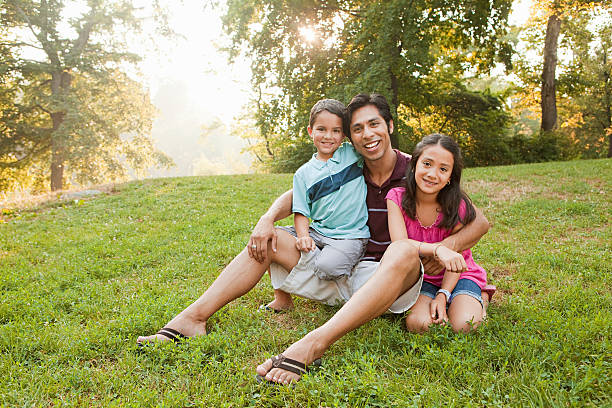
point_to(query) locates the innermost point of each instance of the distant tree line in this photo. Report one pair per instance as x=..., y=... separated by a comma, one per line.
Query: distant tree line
x=69, y=113
x=433, y=62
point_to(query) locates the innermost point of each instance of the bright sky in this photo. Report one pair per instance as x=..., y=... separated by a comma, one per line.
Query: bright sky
x=194, y=80
x=220, y=88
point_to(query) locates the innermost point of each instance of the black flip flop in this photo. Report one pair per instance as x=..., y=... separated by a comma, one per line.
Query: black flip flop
x=266, y=308
x=173, y=335
x=288, y=364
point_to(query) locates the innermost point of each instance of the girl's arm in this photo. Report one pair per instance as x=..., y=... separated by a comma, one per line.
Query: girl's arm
x=438, y=306
x=395, y=219
x=451, y=260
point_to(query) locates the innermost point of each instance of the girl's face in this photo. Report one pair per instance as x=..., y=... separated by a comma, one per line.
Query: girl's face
x=433, y=169
x=326, y=133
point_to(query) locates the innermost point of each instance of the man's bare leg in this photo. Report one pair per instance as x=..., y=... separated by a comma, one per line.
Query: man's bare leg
x=238, y=278
x=399, y=270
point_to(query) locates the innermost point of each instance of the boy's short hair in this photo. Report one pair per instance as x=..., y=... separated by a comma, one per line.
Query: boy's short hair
x=361, y=100
x=333, y=106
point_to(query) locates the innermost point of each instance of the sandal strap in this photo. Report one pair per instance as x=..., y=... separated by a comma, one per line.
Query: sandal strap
x=289, y=364
x=172, y=334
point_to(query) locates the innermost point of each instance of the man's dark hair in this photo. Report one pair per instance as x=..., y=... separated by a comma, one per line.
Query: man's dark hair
x=332, y=106
x=361, y=100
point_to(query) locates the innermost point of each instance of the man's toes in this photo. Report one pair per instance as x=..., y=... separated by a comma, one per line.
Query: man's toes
x=264, y=369
x=146, y=339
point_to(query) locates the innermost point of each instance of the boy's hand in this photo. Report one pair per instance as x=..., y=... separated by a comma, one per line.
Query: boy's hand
x=452, y=261
x=305, y=244
x=438, y=309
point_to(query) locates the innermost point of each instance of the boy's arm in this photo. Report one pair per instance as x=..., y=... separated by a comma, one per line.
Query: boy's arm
x=264, y=230
x=304, y=242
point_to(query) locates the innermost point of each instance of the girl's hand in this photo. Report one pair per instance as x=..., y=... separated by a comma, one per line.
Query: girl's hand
x=438, y=309
x=305, y=244
x=452, y=261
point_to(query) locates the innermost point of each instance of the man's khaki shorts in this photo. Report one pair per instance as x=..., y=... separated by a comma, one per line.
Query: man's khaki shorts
x=304, y=283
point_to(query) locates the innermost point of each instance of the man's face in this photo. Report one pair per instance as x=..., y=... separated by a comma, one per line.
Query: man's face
x=370, y=134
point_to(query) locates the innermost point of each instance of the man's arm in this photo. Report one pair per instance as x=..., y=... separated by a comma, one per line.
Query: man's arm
x=264, y=229
x=469, y=235
x=461, y=240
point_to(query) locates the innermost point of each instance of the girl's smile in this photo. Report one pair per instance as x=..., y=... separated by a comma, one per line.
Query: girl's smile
x=433, y=169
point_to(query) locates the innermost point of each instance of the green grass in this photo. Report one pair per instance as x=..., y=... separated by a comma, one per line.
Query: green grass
x=79, y=281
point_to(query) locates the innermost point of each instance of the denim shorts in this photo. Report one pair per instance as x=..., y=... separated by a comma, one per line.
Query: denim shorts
x=463, y=287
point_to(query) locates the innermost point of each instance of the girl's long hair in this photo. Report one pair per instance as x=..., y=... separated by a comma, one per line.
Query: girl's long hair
x=451, y=195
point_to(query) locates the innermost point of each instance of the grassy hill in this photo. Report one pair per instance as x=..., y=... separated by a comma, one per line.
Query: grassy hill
x=80, y=280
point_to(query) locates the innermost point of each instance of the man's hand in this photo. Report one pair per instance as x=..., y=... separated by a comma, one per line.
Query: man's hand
x=305, y=244
x=263, y=232
x=438, y=309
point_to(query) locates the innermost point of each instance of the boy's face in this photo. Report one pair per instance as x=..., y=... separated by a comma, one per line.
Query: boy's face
x=326, y=133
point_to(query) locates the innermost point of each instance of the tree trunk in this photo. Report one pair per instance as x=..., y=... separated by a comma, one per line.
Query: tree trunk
x=394, y=102
x=607, y=101
x=549, y=101
x=60, y=86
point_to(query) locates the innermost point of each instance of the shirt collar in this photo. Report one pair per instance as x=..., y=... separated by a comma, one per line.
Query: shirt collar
x=399, y=170
x=319, y=164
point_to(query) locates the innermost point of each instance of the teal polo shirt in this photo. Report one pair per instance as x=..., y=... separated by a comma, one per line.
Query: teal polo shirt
x=332, y=194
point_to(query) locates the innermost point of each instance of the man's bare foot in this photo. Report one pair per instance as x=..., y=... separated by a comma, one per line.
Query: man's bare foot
x=282, y=301
x=182, y=324
x=279, y=306
x=305, y=351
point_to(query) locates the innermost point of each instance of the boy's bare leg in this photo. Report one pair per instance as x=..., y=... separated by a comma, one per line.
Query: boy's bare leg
x=399, y=270
x=239, y=277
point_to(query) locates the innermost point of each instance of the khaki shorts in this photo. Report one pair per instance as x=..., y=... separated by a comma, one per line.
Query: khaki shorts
x=304, y=283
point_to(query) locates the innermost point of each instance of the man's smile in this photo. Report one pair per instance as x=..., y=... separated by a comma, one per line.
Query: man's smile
x=372, y=145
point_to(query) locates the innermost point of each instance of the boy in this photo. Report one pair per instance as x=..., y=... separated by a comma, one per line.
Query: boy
x=330, y=190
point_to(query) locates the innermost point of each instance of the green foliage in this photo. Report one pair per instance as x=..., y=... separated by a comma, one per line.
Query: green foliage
x=584, y=84
x=69, y=112
x=397, y=48
x=477, y=120
x=80, y=280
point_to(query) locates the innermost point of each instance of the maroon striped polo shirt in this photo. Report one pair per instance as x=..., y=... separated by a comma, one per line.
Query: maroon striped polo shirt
x=377, y=208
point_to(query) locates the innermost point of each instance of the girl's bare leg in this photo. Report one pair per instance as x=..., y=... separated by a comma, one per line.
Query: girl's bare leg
x=419, y=319
x=398, y=271
x=465, y=313
x=239, y=277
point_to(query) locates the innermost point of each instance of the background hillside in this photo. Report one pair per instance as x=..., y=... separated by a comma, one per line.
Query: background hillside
x=81, y=279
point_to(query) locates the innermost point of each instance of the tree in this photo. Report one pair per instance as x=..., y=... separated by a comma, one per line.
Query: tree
x=306, y=50
x=73, y=107
x=574, y=99
x=549, y=95
x=587, y=83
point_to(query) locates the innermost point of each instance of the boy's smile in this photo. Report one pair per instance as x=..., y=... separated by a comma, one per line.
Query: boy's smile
x=326, y=133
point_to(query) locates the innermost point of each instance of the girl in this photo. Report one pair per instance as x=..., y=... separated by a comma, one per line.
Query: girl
x=431, y=207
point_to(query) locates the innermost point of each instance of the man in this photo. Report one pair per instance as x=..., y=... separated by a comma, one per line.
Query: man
x=379, y=283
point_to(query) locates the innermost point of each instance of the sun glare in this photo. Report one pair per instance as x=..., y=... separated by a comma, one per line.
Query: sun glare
x=309, y=34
